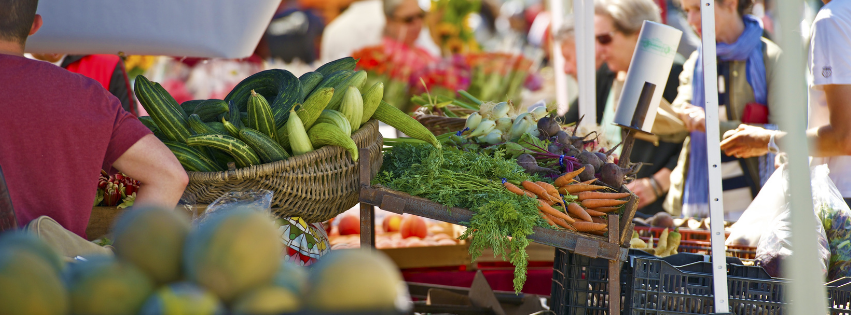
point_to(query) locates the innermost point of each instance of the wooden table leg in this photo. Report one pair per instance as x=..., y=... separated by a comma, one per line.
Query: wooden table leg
x=367, y=226
x=614, y=270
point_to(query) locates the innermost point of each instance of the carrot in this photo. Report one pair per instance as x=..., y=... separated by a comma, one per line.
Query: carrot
x=600, y=232
x=547, y=218
x=565, y=179
x=598, y=220
x=549, y=188
x=588, y=226
x=576, y=210
x=577, y=188
x=605, y=209
x=537, y=190
x=551, y=211
x=595, y=213
x=596, y=203
x=512, y=188
x=562, y=223
x=548, y=202
x=588, y=182
x=600, y=195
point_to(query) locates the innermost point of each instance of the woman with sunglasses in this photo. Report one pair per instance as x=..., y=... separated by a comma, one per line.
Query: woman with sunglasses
x=617, y=24
x=745, y=74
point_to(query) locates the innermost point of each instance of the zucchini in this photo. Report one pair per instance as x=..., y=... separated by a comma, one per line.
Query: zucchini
x=333, y=80
x=149, y=122
x=189, y=106
x=394, y=117
x=260, y=115
x=308, y=113
x=201, y=128
x=191, y=158
x=267, y=149
x=231, y=128
x=337, y=119
x=352, y=107
x=222, y=158
x=279, y=86
x=357, y=80
x=210, y=110
x=170, y=99
x=371, y=99
x=299, y=143
x=217, y=126
x=243, y=118
x=327, y=134
x=345, y=63
x=309, y=81
x=167, y=116
x=241, y=152
x=234, y=116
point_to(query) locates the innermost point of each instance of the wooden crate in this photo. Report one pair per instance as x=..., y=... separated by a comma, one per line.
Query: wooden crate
x=430, y=256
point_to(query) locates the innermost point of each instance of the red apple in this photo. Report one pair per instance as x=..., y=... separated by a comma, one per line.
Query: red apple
x=413, y=226
x=392, y=223
x=349, y=224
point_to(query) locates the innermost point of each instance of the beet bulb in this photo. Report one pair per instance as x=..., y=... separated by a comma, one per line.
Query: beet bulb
x=530, y=164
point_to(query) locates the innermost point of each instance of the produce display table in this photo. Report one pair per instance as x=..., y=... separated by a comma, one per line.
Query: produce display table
x=612, y=248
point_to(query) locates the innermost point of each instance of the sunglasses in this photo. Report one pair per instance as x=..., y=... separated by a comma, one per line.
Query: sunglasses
x=604, y=39
x=411, y=18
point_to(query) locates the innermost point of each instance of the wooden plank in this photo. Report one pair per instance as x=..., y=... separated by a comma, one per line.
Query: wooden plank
x=536, y=251
x=614, y=271
x=367, y=211
x=375, y=195
x=429, y=256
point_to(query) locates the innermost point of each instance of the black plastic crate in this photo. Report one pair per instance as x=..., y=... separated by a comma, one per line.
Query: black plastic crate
x=679, y=284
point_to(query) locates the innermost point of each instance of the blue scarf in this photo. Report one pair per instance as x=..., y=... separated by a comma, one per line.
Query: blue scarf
x=747, y=47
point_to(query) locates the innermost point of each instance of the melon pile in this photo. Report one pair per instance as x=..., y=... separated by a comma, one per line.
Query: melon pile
x=229, y=264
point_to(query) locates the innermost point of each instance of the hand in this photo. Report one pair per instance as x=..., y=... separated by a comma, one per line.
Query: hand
x=644, y=190
x=746, y=141
x=694, y=117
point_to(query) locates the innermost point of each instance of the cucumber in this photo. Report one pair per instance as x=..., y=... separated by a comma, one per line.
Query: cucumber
x=222, y=158
x=345, y=63
x=192, y=159
x=260, y=115
x=149, y=122
x=219, y=127
x=356, y=80
x=234, y=116
x=394, y=117
x=241, y=152
x=335, y=118
x=267, y=149
x=281, y=88
x=232, y=129
x=309, y=81
x=371, y=99
x=168, y=98
x=189, y=106
x=327, y=134
x=201, y=128
x=352, y=107
x=332, y=80
x=210, y=110
x=166, y=115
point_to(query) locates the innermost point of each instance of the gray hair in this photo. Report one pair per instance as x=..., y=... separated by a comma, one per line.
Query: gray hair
x=628, y=15
x=390, y=6
x=566, y=31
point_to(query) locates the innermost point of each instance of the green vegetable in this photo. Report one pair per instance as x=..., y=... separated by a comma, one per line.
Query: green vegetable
x=469, y=180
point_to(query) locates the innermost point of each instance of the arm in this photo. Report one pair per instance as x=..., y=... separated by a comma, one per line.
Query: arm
x=161, y=176
x=830, y=140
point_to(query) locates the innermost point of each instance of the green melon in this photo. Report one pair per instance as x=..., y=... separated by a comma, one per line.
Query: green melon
x=30, y=242
x=103, y=285
x=182, y=298
x=291, y=277
x=356, y=280
x=267, y=299
x=152, y=239
x=30, y=284
x=232, y=252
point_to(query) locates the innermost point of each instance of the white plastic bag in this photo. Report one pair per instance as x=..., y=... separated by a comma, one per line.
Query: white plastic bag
x=775, y=244
x=767, y=205
x=835, y=217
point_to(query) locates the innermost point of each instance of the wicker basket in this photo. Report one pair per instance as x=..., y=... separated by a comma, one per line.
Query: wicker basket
x=316, y=186
x=439, y=125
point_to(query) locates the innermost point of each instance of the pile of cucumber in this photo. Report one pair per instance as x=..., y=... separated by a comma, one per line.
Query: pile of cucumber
x=271, y=116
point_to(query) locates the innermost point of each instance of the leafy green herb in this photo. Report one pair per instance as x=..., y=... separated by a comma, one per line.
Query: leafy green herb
x=455, y=178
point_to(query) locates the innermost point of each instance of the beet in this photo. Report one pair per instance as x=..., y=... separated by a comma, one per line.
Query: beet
x=602, y=156
x=588, y=173
x=611, y=174
x=554, y=148
x=548, y=126
x=563, y=138
x=589, y=158
x=571, y=151
x=530, y=164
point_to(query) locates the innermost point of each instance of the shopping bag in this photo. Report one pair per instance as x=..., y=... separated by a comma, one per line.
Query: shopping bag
x=835, y=217
x=766, y=206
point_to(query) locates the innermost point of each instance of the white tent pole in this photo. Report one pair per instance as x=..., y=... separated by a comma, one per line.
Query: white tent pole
x=557, y=18
x=806, y=289
x=583, y=13
x=716, y=200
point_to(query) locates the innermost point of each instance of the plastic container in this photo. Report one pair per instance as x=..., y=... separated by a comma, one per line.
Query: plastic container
x=679, y=284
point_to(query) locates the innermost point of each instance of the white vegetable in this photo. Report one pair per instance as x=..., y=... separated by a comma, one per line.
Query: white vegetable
x=483, y=128
x=520, y=127
x=539, y=112
x=500, y=110
x=504, y=124
x=494, y=137
x=473, y=121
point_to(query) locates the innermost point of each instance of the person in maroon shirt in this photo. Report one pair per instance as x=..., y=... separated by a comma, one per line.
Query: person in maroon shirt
x=59, y=129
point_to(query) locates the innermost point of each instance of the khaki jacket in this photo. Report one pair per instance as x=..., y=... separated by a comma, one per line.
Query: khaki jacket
x=740, y=94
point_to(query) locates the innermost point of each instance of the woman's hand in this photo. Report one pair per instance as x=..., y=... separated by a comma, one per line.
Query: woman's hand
x=644, y=190
x=746, y=141
x=694, y=117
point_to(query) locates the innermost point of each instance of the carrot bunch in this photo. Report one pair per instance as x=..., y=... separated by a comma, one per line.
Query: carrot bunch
x=586, y=203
